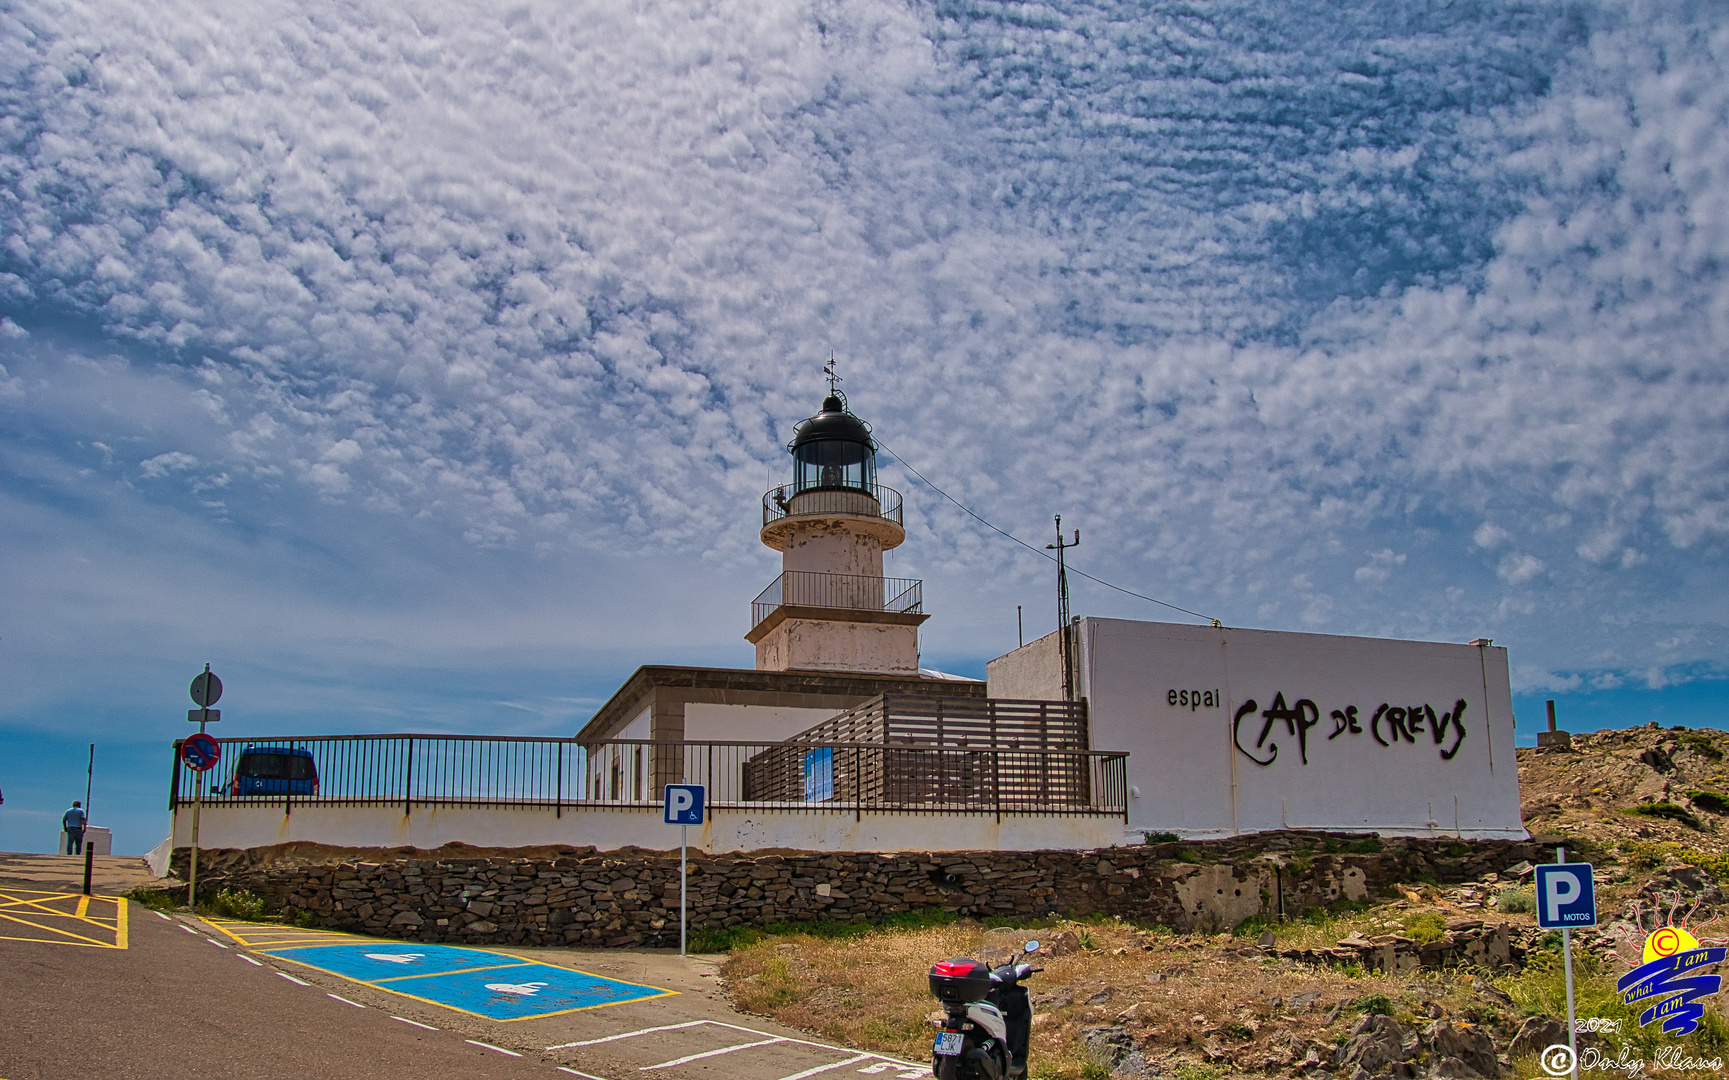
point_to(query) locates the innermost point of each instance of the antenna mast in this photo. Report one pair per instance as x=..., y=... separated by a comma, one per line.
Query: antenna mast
x=1065, y=625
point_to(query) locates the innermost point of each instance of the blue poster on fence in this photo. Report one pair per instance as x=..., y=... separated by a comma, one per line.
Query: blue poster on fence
x=819, y=774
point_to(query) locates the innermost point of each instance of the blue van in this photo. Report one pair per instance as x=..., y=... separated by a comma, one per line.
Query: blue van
x=274, y=770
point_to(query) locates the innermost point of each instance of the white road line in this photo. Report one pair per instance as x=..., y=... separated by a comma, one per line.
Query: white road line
x=216, y=943
x=249, y=960
x=585, y=1076
x=159, y=915
x=644, y=1031
x=345, y=1001
x=292, y=979
x=767, y=1036
x=711, y=1053
x=489, y=1046
x=188, y=929
x=826, y=1068
x=416, y=1023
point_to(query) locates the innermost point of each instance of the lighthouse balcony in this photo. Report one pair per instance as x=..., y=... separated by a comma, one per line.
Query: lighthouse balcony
x=864, y=509
x=852, y=500
x=838, y=596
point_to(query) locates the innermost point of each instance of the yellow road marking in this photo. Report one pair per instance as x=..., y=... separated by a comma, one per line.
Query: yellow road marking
x=16, y=904
x=271, y=935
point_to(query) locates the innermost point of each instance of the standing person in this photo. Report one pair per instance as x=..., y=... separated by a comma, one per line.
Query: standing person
x=73, y=822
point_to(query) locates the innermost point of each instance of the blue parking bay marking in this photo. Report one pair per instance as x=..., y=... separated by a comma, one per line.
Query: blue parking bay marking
x=497, y=986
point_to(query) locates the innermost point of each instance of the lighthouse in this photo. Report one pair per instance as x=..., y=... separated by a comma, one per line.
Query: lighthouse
x=831, y=609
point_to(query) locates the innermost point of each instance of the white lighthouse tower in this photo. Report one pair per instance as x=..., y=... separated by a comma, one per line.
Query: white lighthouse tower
x=831, y=609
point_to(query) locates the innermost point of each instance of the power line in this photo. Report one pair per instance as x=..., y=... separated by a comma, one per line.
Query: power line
x=1036, y=551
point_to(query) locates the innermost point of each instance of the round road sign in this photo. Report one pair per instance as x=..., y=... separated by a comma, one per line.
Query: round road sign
x=206, y=689
x=200, y=753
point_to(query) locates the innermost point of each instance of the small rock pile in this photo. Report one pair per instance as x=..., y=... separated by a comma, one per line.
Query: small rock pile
x=1465, y=941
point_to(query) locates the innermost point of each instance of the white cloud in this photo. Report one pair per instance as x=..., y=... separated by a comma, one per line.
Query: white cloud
x=161, y=465
x=1519, y=568
x=556, y=280
x=1489, y=536
x=1380, y=566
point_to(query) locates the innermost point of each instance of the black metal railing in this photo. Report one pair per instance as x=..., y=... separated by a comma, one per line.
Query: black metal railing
x=869, y=500
x=567, y=774
x=849, y=592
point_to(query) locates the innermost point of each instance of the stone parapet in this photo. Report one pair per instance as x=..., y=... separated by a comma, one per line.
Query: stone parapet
x=629, y=898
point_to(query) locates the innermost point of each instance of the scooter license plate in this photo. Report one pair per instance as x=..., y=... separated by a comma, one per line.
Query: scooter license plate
x=949, y=1043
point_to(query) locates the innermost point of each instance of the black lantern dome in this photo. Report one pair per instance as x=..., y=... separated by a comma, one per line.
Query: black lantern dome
x=833, y=450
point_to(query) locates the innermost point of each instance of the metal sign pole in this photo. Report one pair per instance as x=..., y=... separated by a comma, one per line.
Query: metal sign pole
x=1567, y=960
x=192, y=876
x=206, y=691
x=682, y=877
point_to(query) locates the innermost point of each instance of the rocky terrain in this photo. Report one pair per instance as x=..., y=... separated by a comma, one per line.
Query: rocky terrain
x=1423, y=980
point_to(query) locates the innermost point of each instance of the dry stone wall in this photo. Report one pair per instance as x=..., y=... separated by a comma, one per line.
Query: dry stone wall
x=586, y=897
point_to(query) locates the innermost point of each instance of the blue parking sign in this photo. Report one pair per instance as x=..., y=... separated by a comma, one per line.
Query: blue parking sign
x=1566, y=896
x=684, y=804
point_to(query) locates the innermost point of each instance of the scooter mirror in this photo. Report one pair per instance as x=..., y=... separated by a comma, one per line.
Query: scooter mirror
x=1032, y=947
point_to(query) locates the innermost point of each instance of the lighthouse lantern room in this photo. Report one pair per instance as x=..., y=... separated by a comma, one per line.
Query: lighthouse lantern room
x=831, y=608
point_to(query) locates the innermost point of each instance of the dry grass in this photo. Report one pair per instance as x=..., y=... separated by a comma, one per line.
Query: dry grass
x=1189, y=1001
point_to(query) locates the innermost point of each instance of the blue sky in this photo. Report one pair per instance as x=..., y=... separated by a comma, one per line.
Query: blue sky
x=421, y=367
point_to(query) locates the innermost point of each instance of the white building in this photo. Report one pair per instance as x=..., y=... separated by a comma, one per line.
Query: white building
x=838, y=740
x=1239, y=731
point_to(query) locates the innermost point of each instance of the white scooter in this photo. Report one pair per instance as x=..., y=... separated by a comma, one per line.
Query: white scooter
x=989, y=1020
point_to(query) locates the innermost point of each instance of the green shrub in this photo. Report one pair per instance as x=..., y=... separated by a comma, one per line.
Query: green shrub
x=1162, y=837
x=1194, y=1071
x=1645, y=855
x=1373, y=1005
x=1514, y=900
x=1425, y=926
x=1369, y=846
x=1709, y=800
x=1664, y=810
x=1252, y=927
x=723, y=939
x=157, y=899
x=1705, y=744
x=237, y=904
x=1236, y=1029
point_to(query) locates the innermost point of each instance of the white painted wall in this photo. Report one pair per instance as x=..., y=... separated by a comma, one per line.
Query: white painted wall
x=617, y=772
x=823, y=645
x=1203, y=769
x=610, y=828
x=1033, y=672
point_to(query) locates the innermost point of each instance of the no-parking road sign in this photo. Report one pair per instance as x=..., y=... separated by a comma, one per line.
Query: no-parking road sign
x=200, y=753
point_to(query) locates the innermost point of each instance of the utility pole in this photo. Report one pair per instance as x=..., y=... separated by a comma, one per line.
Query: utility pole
x=1063, y=623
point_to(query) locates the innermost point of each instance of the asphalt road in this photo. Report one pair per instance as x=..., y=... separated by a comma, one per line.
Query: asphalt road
x=172, y=1006
x=103, y=987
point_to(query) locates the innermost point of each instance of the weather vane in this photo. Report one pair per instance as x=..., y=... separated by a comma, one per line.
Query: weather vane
x=833, y=377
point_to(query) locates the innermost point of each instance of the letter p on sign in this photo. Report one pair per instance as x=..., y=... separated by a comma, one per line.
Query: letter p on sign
x=1566, y=896
x=684, y=804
